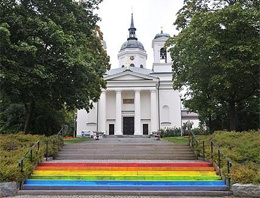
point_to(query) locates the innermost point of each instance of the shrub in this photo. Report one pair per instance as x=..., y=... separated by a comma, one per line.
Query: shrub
x=14, y=146
x=242, y=148
x=170, y=132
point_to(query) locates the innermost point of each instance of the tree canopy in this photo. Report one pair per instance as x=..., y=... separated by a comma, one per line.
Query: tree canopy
x=216, y=55
x=50, y=53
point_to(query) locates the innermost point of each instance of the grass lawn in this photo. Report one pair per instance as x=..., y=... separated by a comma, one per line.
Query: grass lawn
x=76, y=140
x=177, y=140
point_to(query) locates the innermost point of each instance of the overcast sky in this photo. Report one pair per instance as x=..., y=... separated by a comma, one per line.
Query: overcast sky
x=149, y=17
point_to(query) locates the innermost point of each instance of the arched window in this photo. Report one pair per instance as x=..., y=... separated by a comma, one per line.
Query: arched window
x=122, y=66
x=141, y=66
x=165, y=114
x=163, y=55
x=132, y=65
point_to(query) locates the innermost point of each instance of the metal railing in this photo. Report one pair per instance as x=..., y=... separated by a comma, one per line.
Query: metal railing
x=29, y=152
x=195, y=142
x=219, y=153
x=37, y=153
x=60, y=133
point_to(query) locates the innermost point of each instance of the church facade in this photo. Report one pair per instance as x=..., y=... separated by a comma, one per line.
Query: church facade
x=137, y=100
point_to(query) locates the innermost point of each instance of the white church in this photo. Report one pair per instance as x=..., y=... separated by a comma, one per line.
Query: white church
x=137, y=100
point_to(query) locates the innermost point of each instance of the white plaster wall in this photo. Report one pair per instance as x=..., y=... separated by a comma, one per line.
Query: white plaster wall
x=172, y=100
x=81, y=121
x=139, y=57
x=92, y=115
x=87, y=121
x=145, y=105
x=162, y=67
x=128, y=95
x=111, y=105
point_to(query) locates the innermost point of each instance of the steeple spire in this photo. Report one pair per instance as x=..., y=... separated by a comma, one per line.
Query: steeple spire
x=132, y=29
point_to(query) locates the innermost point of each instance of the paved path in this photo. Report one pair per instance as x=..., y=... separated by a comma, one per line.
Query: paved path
x=103, y=196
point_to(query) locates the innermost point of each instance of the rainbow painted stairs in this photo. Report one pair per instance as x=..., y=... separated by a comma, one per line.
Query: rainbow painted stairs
x=182, y=178
x=152, y=177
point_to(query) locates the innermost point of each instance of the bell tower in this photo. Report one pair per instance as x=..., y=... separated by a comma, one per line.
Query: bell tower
x=162, y=59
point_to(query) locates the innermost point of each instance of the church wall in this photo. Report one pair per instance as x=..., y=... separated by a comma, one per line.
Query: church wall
x=128, y=95
x=82, y=117
x=145, y=105
x=111, y=105
x=139, y=58
x=146, y=110
x=170, y=103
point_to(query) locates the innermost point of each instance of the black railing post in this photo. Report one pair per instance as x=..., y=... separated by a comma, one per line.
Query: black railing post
x=228, y=172
x=219, y=162
x=46, y=153
x=31, y=157
x=21, y=165
x=211, y=150
x=203, y=150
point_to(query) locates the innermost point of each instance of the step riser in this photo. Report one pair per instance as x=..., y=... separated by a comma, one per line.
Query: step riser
x=124, y=183
x=146, y=188
x=131, y=153
x=130, y=178
x=124, y=168
x=193, y=164
x=126, y=193
x=124, y=158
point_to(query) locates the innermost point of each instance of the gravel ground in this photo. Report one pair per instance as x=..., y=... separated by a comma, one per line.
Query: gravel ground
x=102, y=196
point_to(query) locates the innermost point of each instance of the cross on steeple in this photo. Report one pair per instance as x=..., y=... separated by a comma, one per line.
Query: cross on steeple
x=132, y=29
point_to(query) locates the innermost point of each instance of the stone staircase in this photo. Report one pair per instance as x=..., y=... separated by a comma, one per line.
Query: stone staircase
x=126, y=168
x=130, y=151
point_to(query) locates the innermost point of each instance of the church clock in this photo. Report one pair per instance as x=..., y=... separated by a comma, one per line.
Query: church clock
x=132, y=57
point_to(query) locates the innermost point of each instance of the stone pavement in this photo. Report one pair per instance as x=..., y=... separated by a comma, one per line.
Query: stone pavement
x=103, y=196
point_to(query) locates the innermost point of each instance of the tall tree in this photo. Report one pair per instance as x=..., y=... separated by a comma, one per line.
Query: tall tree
x=217, y=55
x=50, y=53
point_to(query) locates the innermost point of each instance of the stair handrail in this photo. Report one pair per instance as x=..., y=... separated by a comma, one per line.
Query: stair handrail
x=60, y=133
x=220, y=152
x=30, y=151
x=194, y=138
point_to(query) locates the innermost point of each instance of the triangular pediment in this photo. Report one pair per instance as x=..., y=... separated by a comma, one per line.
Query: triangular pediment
x=130, y=76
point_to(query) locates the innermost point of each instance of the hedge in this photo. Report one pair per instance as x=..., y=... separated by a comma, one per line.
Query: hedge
x=243, y=148
x=14, y=146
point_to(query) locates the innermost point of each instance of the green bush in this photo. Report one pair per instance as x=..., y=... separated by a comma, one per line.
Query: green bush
x=14, y=146
x=242, y=148
x=170, y=132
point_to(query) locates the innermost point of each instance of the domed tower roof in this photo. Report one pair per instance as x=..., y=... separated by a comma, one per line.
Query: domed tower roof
x=132, y=41
x=132, y=44
x=161, y=34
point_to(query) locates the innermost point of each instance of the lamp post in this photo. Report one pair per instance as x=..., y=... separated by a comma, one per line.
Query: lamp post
x=181, y=114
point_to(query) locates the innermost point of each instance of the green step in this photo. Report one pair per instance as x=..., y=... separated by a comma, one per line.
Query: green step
x=130, y=178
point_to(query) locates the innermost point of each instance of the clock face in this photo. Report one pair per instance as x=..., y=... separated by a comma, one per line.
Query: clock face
x=132, y=57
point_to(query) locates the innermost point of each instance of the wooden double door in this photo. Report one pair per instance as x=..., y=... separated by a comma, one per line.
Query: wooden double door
x=128, y=125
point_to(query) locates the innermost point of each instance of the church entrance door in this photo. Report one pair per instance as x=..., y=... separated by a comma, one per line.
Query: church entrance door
x=128, y=125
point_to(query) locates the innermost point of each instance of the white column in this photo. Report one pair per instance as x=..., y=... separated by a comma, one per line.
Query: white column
x=137, y=113
x=154, y=116
x=102, y=112
x=118, y=130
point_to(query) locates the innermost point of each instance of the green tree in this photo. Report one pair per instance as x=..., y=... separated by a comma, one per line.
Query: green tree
x=50, y=53
x=217, y=56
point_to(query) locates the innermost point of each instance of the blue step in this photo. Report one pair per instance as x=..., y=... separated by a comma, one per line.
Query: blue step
x=121, y=183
